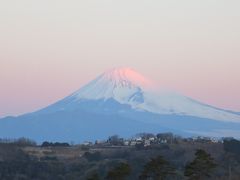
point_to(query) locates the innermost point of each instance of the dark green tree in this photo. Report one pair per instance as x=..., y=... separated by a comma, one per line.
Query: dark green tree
x=231, y=145
x=115, y=140
x=158, y=168
x=201, y=167
x=93, y=176
x=120, y=172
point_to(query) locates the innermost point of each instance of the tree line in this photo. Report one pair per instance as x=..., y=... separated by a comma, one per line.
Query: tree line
x=158, y=169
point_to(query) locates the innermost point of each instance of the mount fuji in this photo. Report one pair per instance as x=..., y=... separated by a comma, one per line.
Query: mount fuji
x=121, y=101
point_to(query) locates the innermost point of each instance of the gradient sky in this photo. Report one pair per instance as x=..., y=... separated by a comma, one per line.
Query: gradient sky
x=50, y=48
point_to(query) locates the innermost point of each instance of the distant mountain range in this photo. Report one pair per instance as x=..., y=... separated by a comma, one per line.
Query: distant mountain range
x=123, y=102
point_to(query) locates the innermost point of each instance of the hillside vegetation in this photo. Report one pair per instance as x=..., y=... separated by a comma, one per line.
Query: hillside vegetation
x=175, y=158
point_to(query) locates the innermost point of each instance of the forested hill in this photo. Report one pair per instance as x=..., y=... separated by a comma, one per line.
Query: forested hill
x=171, y=159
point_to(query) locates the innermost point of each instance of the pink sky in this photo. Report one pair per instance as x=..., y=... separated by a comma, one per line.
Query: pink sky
x=48, y=48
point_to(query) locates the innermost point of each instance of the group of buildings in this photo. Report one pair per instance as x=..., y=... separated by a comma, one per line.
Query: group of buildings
x=146, y=140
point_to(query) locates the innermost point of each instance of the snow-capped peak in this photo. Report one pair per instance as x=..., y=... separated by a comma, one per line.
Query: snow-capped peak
x=126, y=77
x=121, y=84
x=126, y=86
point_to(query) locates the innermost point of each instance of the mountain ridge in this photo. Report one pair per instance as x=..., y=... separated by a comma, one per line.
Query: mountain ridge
x=129, y=87
x=121, y=101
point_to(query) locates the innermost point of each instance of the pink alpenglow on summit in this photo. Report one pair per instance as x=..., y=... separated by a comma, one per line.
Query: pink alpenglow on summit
x=129, y=76
x=119, y=83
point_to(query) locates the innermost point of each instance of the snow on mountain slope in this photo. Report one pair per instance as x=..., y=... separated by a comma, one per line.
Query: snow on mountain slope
x=126, y=86
x=121, y=84
x=173, y=103
x=123, y=102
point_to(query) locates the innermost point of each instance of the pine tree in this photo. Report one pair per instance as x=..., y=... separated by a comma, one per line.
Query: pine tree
x=94, y=176
x=201, y=167
x=157, y=169
x=120, y=172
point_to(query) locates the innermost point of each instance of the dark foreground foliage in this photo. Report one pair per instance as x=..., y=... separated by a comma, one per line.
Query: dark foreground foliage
x=175, y=160
x=201, y=167
x=157, y=168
